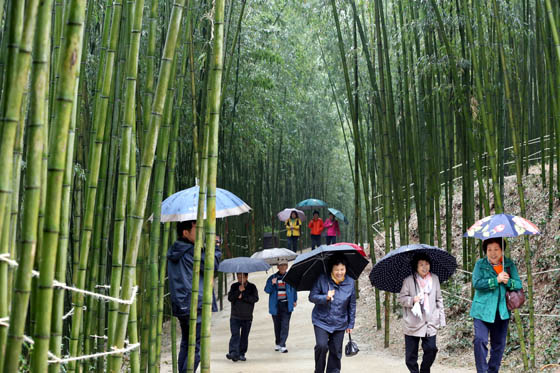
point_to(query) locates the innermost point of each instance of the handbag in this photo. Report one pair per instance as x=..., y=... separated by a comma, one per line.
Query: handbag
x=514, y=298
x=351, y=348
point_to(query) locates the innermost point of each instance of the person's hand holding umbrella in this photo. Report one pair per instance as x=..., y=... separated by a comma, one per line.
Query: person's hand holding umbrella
x=330, y=295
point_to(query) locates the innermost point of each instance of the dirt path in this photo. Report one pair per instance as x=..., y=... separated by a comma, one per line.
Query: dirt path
x=261, y=357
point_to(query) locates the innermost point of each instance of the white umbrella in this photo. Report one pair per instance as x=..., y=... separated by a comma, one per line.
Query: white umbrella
x=275, y=256
x=285, y=214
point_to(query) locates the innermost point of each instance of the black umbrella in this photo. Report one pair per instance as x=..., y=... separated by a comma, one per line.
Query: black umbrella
x=389, y=273
x=307, y=267
x=243, y=265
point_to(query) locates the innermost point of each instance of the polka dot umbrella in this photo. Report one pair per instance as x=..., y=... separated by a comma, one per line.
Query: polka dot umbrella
x=389, y=273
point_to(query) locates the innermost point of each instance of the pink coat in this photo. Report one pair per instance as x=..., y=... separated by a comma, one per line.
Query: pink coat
x=332, y=227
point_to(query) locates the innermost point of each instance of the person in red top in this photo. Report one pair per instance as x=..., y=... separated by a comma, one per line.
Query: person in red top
x=316, y=226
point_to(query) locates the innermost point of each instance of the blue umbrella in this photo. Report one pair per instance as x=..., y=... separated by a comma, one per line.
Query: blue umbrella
x=183, y=205
x=307, y=267
x=501, y=225
x=389, y=273
x=310, y=203
x=242, y=264
x=338, y=214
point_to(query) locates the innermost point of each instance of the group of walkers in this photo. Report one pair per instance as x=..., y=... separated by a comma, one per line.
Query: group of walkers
x=334, y=312
x=316, y=226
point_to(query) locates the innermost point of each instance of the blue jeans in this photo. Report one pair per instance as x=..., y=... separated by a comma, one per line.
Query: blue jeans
x=184, y=322
x=281, y=324
x=239, y=341
x=498, y=334
x=315, y=241
x=292, y=243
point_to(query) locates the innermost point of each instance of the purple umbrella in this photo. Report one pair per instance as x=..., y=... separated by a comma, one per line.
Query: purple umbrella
x=285, y=214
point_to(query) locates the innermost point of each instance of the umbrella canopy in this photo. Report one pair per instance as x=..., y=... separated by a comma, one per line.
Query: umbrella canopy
x=309, y=266
x=275, y=256
x=389, y=273
x=307, y=204
x=243, y=264
x=183, y=205
x=339, y=215
x=353, y=245
x=285, y=214
x=501, y=225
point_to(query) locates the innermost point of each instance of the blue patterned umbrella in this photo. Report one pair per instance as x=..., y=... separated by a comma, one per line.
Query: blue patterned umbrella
x=183, y=205
x=389, y=273
x=338, y=214
x=501, y=225
x=307, y=267
x=242, y=264
x=307, y=204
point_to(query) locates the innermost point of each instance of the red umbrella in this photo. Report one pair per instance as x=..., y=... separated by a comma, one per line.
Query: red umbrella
x=358, y=248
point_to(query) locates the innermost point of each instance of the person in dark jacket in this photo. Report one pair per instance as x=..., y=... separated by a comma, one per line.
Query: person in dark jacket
x=281, y=303
x=334, y=313
x=180, y=272
x=243, y=295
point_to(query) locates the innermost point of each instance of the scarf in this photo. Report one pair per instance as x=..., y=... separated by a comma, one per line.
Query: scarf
x=336, y=282
x=425, y=289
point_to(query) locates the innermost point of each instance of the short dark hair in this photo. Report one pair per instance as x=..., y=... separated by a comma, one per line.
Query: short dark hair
x=418, y=257
x=315, y=212
x=499, y=240
x=184, y=226
x=335, y=260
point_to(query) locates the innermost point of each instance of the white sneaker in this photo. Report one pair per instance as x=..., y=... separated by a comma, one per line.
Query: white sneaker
x=283, y=350
x=277, y=348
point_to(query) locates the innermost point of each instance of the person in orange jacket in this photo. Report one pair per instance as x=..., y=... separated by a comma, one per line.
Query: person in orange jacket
x=316, y=226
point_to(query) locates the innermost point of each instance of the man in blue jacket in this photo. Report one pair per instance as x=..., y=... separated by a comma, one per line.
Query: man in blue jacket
x=180, y=273
x=281, y=302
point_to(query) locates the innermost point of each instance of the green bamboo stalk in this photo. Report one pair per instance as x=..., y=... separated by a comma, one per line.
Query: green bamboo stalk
x=520, y=190
x=210, y=226
x=10, y=107
x=94, y=161
x=70, y=56
x=32, y=188
x=145, y=174
x=150, y=70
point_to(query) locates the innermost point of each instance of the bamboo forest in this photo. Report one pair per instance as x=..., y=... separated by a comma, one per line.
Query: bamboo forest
x=419, y=126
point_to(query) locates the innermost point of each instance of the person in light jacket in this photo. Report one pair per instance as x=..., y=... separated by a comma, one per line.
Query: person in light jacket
x=333, y=230
x=293, y=231
x=334, y=313
x=493, y=275
x=421, y=291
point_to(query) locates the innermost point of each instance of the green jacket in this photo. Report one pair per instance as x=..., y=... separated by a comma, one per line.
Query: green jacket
x=489, y=295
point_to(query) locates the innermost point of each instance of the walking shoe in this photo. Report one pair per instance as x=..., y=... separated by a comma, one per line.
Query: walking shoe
x=232, y=357
x=277, y=348
x=242, y=358
x=283, y=350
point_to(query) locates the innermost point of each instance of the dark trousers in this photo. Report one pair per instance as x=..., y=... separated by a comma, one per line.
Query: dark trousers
x=281, y=324
x=498, y=334
x=292, y=243
x=184, y=322
x=239, y=340
x=331, y=343
x=411, y=353
x=315, y=241
x=331, y=240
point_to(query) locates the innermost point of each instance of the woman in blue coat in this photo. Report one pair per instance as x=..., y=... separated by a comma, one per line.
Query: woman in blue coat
x=334, y=313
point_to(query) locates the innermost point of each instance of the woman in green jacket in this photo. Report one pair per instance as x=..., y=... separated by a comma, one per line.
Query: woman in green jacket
x=493, y=275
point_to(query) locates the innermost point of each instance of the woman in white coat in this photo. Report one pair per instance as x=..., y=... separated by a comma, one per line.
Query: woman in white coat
x=423, y=313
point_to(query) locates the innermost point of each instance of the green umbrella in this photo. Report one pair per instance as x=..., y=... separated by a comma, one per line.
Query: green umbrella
x=338, y=214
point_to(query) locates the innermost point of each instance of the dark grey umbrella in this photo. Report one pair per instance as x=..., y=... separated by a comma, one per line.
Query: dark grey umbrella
x=389, y=273
x=309, y=266
x=243, y=264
